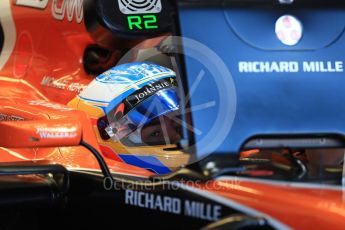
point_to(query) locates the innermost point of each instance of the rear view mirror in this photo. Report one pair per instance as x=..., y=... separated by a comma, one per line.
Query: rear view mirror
x=47, y=133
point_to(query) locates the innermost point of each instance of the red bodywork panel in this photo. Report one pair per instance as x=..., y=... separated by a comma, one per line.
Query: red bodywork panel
x=41, y=70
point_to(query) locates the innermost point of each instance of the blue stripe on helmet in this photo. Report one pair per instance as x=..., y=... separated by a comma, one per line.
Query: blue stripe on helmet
x=147, y=162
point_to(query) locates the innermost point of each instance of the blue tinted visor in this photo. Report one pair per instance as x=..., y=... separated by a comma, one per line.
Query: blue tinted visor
x=163, y=102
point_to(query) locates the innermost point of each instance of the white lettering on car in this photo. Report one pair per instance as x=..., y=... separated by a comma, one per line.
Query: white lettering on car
x=290, y=67
x=62, y=84
x=39, y=4
x=59, y=132
x=69, y=8
x=195, y=209
x=6, y=117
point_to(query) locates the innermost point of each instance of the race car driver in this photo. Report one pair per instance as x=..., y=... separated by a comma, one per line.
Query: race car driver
x=136, y=107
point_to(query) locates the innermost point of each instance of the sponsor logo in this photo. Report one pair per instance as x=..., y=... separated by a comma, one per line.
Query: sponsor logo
x=150, y=89
x=59, y=132
x=140, y=6
x=50, y=105
x=5, y=117
x=39, y=4
x=289, y=30
x=291, y=67
x=62, y=84
x=68, y=8
x=196, y=209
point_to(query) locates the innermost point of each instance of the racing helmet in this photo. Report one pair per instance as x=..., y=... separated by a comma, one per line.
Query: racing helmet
x=135, y=112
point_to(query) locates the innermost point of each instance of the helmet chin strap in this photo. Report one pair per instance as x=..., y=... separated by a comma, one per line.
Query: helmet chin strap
x=135, y=137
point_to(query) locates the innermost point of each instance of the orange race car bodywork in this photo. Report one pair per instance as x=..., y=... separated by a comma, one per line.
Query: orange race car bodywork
x=42, y=70
x=33, y=89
